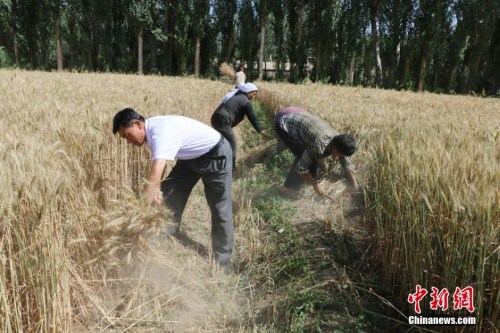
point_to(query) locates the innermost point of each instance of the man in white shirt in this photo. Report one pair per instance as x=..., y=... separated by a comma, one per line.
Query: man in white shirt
x=201, y=152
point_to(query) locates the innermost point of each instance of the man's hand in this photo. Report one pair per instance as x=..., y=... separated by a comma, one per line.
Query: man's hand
x=152, y=194
x=351, y=176
x=152, y=190
x=314, y=183
x=319, y=191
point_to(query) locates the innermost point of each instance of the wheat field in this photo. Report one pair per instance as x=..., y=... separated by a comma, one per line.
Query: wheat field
x=78, y=248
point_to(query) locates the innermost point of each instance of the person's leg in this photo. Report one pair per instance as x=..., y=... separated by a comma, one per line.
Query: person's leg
x=177, y=187
x=295, y=147
x=216, y=174
x=223, y=126
x=293, y=180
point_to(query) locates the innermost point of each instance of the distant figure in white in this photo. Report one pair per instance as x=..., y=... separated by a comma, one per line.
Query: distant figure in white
x=240, y=76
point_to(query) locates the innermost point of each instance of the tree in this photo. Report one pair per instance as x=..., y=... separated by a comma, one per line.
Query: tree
x=374, y=7
x=297, y=42
x=140, y=10
x=280, y=32
x=430, y=24
x=476, y=26
x=247, y=33
x=323, y=21
x=59, y=51
x=225, y=12
x=262, y=10
x=200, y=14
x=445, y=45
x=8, y=26
x=396, y=21
x=349, y=46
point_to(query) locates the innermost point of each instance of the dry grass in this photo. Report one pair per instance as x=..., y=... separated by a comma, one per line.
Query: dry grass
x=76, y=248
x=429, y=164
x=75, y=240
x=227, y=70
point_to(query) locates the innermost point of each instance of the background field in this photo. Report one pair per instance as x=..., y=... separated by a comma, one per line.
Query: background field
x=78, y=251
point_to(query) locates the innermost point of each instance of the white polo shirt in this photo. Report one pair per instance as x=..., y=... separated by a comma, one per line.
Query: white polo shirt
x=178, y=137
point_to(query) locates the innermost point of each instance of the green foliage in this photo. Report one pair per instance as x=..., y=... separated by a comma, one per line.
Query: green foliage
x=444, y=46
x=5, y=60
x=140, y=11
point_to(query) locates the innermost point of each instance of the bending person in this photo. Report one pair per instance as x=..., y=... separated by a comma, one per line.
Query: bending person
x=311, y=139
x=233, y=108
x=201, y=152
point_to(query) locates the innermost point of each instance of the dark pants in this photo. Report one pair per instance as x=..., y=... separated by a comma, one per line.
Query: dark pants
x=215, y=171
x=222, y=124
x=294, y=180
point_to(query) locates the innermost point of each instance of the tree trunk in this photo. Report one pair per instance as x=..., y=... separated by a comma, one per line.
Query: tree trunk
x=197, y=47
x=375, y=46
x=317, y=63
x=351, y=68
x=153, y=61
x=473, y=86
x=59, y=53
x=464, y=82
x=406, y=70
x=168, y=44
x=423, y=66
x=260, y=53
x=16, y=48
x=139, y=51
x=452, y=82
x=395, y=66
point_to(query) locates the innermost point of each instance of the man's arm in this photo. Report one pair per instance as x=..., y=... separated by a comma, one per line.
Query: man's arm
x=348, y=166
x=314, y=183
x=302, y=168
x=351, y=176
x=252, y=117
x=152, y=189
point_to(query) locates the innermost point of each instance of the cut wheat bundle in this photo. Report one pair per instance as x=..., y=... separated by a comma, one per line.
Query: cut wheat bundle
x=227, y=70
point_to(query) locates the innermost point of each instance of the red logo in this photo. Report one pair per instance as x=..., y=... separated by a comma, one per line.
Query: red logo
x=439, y=299
x=462, y=298
x=417, y=297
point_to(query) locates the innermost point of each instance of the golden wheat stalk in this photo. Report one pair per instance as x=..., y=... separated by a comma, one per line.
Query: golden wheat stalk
x=227, y=70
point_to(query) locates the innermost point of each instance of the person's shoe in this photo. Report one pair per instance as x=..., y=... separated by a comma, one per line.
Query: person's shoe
x=224, y=265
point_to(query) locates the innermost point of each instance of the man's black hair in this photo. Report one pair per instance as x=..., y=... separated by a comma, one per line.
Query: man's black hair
x=125, y=118
x=345, y=144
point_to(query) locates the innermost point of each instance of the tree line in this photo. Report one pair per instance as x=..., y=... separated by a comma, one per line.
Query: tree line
x=450, y=46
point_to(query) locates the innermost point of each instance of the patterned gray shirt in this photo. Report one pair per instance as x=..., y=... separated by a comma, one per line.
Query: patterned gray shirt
x=315, y=134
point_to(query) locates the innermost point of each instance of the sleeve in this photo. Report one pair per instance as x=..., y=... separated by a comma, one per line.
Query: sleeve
x=346, y=163
x=165, y=144
x=305, y=160
x=251, y=116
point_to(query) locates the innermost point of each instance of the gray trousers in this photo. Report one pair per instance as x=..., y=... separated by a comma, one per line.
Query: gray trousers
x=215, y=170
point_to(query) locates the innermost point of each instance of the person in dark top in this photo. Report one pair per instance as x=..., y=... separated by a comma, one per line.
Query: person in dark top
x=234, y=107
